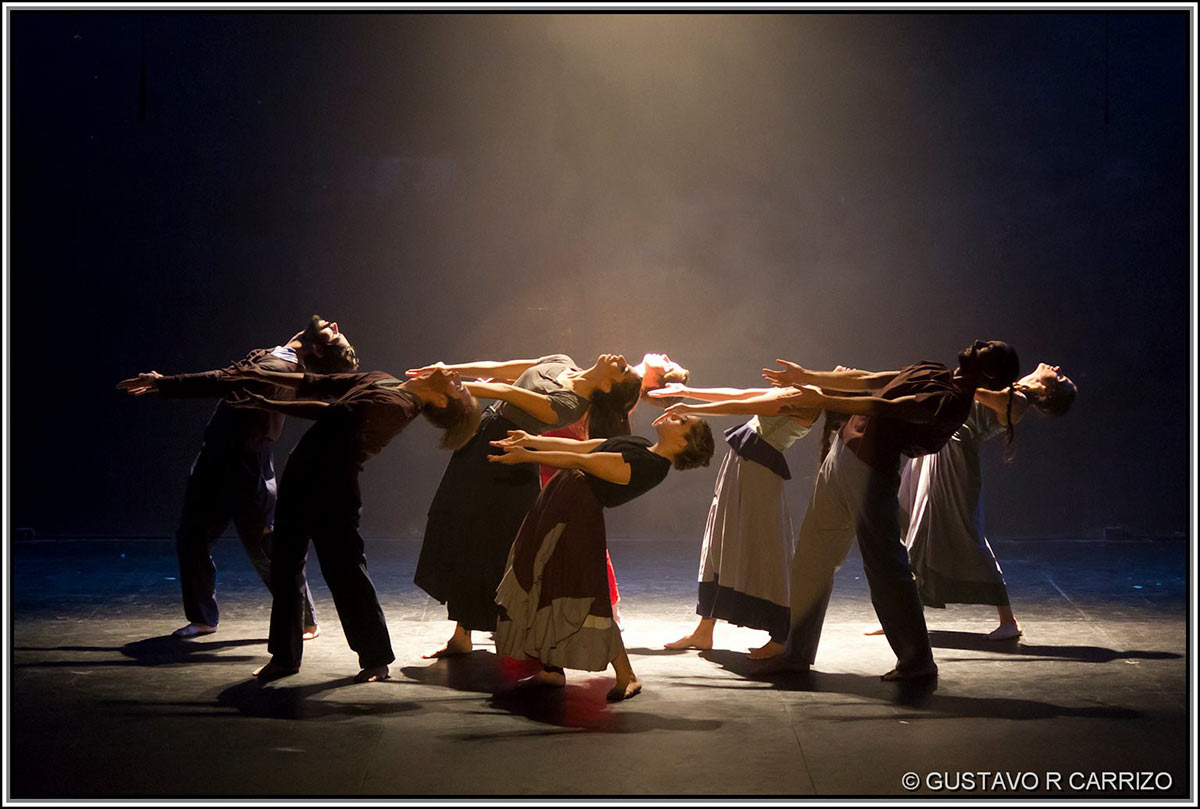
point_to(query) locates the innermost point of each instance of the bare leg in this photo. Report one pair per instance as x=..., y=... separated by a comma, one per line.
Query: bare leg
x=701, y=637
x=459, y=644
x=1009, y=628
x=373, y=674
x=627, y=685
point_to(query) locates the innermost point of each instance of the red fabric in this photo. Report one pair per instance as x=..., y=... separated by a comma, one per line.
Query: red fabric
x=578, y=431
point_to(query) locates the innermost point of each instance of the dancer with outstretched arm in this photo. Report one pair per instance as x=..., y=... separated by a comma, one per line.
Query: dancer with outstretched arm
x=554, y=604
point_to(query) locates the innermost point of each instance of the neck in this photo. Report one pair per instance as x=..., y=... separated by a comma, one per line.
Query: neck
x=416, y=389
x=585, y=382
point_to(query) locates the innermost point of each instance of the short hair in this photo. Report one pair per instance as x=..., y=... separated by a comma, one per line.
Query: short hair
x=699, y=449
x=458, y=419
x=1057, y=400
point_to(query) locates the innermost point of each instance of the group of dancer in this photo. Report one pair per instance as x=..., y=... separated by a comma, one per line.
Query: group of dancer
x=525, y=557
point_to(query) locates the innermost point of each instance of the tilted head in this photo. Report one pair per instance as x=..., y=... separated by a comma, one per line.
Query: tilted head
x=324, y=349
x=993, y=364
x=686, y=440
x=447, y=405
x=614, y=397
x=659, y=370
x=1049, y=390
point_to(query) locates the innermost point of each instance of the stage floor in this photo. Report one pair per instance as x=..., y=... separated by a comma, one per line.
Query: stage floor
x=104, y=703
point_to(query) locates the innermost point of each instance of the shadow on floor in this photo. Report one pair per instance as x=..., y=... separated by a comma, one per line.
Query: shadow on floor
x=165, y=650
x=974, y=642
x=273, y=701
x=920, y=696
x=579, y=707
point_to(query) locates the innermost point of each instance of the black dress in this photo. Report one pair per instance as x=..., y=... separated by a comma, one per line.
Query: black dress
x=554, y=600
x=479, y=505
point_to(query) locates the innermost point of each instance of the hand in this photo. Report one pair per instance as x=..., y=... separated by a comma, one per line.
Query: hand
x=799, y=401
x=516, y=438
x=141, y=384
x=247, y=399
x=789, y=376
x=513, y=455
x=425, y=369
x=668, y=390
x=677, y=409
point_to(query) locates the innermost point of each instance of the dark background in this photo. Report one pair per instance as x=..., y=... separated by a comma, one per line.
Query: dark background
x=865, y=189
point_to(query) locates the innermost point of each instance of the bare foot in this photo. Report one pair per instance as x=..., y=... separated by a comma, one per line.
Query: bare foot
x=544, y=679
x=193, y=630
x=895, y=675
x=273, y=671
x=692, y=641
x=624, y=689
x=1006, y=631
x=372, y=674
x=878, y=630
x=454, y=646
x=767, y=651
x=311, y=632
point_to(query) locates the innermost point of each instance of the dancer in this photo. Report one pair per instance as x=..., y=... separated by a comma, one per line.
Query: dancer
x=910, y=412
x=655, y=370
x=233, y=476
x=479, y=506
x=554, y=603
x=941, y=496
x=747, y=548
x=319, y=498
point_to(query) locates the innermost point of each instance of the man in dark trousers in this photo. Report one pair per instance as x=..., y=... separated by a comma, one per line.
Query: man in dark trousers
x=319, y=497
x=909, y=412
x=233, y=476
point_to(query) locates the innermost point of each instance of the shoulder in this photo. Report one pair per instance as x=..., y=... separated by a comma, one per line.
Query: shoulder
x=279, y=358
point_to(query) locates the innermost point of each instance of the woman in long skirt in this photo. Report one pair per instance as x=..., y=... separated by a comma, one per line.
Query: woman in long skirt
x=554, y=600
x=746, y=555
x=942, y=497
x=479, y=506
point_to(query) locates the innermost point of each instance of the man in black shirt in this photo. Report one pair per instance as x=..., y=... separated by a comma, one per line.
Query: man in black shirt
x=233, y=476
x=319, y=497
x=909, y=412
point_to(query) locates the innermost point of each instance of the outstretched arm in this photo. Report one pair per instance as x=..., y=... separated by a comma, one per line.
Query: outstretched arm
x=610, y=466
x=676, y=389
x=849, y=380
x=997, y=401
x=505, y=371
x=903, y=408
x=772, y=402
x=304, y=408
x=520, y=438
x=535, y=404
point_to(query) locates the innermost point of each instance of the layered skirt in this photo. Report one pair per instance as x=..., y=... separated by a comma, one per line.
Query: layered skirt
x=554, y=597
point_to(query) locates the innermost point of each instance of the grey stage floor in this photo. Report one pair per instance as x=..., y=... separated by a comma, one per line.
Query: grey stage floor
x=103, y=703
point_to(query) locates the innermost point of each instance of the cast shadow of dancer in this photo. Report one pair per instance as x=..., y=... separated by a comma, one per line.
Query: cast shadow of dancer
x=580, y=707
x=271, y=701
x=164, y=650
x=919, y=695
x=974, y=642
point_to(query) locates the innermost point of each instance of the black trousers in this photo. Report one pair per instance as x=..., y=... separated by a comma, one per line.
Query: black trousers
x=225, y=487
x=322, y=506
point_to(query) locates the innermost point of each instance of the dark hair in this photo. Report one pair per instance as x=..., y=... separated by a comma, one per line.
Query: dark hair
x=1010, y=432
x=699, y=449
x=458, y=418
x=608, y=414
x=1000, y=367
x=833, y=422
x=1056, y=401
x=331, y=359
